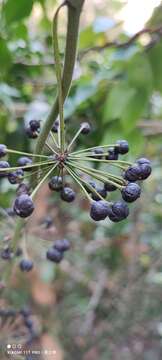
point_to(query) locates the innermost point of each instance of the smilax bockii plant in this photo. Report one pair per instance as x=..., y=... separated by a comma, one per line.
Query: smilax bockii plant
x=97, y=184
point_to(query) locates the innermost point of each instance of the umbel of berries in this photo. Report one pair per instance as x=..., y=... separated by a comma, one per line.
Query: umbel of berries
x=97, y=171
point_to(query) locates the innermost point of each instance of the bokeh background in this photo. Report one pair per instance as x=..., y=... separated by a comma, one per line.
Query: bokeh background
x=104, y=301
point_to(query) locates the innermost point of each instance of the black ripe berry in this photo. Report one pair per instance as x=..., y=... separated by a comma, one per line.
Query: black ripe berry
x=86, y=128
x=101, y=191
x=119, y=211
x=68, y=194
x=62, y=245
x=24, y=161
x=3, y=150
x=34, y=125
x=145, y=171
x=92, y=184
x=23, y=189
x=54, y=255
x=26, y=265
x=131, y=192
x=112, y=154
x=4, y=165
x=55, y=183
x=110, y=187
x=132, y=173
x=97, y=153
x=99, y=210
x=16, y=176
x=55, y=126
x=6, y=254
x=31, y=134
x=122, y=147
x=23, y=206
x=142, y=161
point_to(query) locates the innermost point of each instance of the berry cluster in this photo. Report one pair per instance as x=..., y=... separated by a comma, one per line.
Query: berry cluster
x=22, y=318
x=97, y=183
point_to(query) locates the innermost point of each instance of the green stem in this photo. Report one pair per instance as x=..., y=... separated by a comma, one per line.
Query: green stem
x=42, y=180
x=70, y=56
x=75, y=177
x=59, y=79
x=111, y=162
x=25, y=153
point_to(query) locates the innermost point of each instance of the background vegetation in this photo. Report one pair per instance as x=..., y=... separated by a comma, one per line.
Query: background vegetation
x=104, y=301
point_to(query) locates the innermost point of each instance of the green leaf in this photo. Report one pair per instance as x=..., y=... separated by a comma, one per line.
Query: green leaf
x=117, y=101
x=139, y=72
x=5, y=56
x=17, y=10
x=125, y=103
x=134, y=109
x=155, y=56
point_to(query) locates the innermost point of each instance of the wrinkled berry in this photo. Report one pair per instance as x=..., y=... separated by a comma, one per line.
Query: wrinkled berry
x=4, y=165
x=31, y=134
x=101, y=191
x=6, y=254
x=122, y=147
x=112, y=154
x=68, y=194
x=26, y=265
x=131, y=192
x=34, y=125
x=132, y=173
x=54, y=255
x=97, y=153
x=86, y=128
x=23, y=189
x=62, y=245
x=24, y=161
x=23, y=206
x=99, y=210
x=145, y=171
x=110, y=187
x=119, y=211
x=55, y=183
x=142, y=161
x=3, y=150
x=16, y=176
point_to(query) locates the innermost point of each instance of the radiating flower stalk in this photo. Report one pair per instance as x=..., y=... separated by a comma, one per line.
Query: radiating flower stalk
x=59, y=160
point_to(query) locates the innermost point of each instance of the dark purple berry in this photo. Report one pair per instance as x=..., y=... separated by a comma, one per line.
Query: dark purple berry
x=145, y=171
x=54, y=255
x=91, y=183
x=55, y=126
x=34, y=125
x=131, y=192
x=99, y=210
x=25, y=312
x=3, y=150
x=23, y=189
x=97, y=153
x=132, y=173
x=26, y=265
x=62, y=245
x=68, y=194
x=142, y=161
x=101, y=191
x=122, y=147
x=55, y=183
x=86, y=128
x=16, y=176
x=24, y=161
x=119, y=211
x=110, y=187
x=6, y=254
x=18, y=252
x=112, y=155
x=30, y=133
x=23, y=206
x=3, y=165
x=28, y=323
